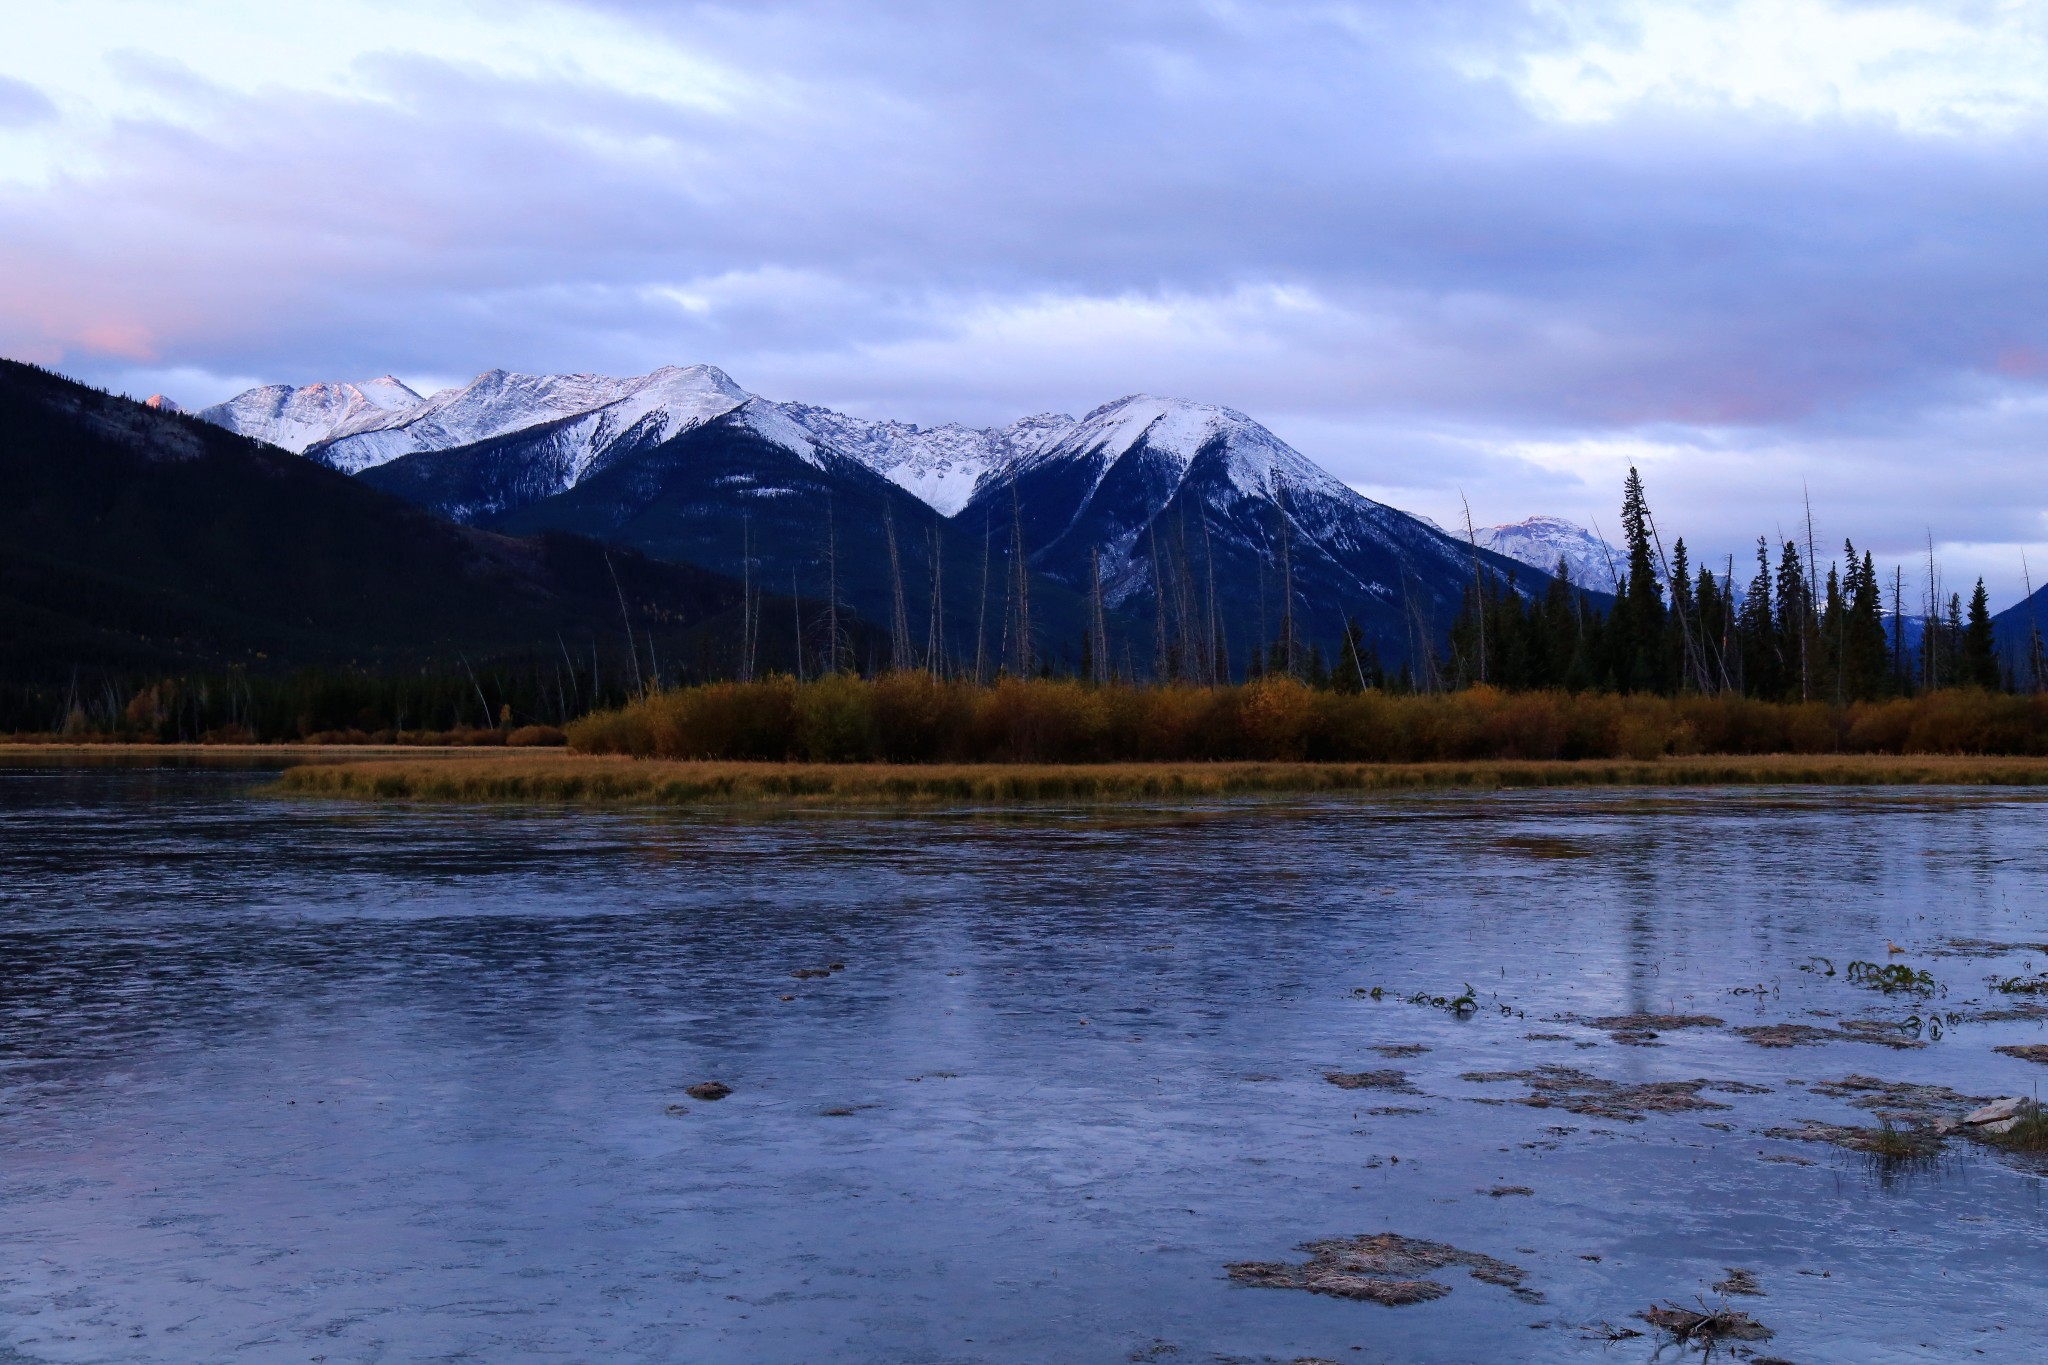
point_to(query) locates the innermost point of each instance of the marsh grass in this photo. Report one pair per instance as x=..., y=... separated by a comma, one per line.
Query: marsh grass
x=552, y=776
x=2029, y=1134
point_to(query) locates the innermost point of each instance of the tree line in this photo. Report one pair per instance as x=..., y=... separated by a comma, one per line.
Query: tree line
x=1789, y=633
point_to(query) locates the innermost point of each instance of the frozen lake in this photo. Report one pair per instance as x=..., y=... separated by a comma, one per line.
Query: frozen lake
x=283, y=1081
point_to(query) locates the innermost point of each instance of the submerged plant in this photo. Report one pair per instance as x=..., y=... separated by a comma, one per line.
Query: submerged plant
x=2021, y=985
x=1929, y=1026
x=1463, y=1006
x=1892, y=978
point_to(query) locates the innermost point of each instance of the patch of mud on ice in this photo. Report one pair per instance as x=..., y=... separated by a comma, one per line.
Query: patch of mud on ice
x=1563, y=1087
x=1384, y=1268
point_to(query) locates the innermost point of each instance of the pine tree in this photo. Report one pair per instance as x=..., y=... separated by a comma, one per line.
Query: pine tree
x=1636, y=625
x=1834, y=629
x=1682, y=648
x=1763, y=667
x=1866, y=653
x=1791, y=609
x=1979, y=645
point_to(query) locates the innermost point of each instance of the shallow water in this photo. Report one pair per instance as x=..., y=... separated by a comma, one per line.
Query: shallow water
x=290, y=1081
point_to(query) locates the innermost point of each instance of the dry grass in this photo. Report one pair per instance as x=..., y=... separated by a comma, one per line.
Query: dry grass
x=550, y=776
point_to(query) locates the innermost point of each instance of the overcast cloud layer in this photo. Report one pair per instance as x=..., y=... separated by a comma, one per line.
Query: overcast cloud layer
x=1490, y=248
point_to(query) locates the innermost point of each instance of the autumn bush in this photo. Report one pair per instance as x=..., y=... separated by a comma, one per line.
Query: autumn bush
x=915, y=718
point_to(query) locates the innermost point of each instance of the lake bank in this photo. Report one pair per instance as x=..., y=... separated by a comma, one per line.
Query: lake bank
x=556, y=777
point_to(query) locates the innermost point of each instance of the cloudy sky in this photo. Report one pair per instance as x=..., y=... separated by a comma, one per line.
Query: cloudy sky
x=1479, y=248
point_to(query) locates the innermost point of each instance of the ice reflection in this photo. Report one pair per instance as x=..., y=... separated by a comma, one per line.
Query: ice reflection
x=299, y=1082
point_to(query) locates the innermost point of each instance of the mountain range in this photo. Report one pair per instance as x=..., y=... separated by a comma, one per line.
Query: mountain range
x=1159, y=530
x=364, y=524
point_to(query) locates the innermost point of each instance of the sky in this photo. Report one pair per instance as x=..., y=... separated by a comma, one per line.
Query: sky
x=1484, y=252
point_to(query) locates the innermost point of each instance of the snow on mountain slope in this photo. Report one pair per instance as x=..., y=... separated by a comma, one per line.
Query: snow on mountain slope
x=939, y=465
x=1258, y=461
x=1541, y=541
x=296, y=418
x=1123, y=462
x=649, y=409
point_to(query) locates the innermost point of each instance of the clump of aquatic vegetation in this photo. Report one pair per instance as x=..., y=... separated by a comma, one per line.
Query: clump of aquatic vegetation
x=1892, y=1143
x=1460, y=1005
x=1705, y=1326
x=2021, y=985
x=1892, y=978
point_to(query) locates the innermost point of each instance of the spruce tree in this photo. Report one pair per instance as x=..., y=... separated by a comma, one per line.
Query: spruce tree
x=1711, y=607
x=1792, y=609
x=1763, y=665
x=1866, y=652
x=1979, y=645
x=1834, y=630
x=1636, y=625
x=1681, y=649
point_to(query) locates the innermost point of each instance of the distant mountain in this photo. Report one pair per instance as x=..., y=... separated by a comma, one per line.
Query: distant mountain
x=584, y=417
x=2017, y=628
x=941, y=466
x=1196, y=516
x=295, y=419
x=1540, y=542
x=752, y=494
x=135, y=538
x=685, y=464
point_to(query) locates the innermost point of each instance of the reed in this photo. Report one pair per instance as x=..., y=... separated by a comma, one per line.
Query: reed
x=553, y=777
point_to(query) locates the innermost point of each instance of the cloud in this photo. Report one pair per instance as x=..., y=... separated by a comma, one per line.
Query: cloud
x=22, y=105
x=1485, y=246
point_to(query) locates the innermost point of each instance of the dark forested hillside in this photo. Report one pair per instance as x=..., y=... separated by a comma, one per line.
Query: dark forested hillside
x=134, y=539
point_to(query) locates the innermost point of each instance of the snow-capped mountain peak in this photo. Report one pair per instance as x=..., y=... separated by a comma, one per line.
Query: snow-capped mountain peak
x=299, y=417
x=1542, y=541
x=162, y=403
x=1260, y=464
x=652, y=407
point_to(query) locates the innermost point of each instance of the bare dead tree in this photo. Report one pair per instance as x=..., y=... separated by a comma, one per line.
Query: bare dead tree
x=1287, y=648
x=981, y=619
x=935, y=637
x=1024, y=650
x=796, y=611
x=1160, y=663
x=1219, y=646
x=2033, y=628
x=632, y=649
x=899, y=623
x=1098, y=628
x=1478, y=587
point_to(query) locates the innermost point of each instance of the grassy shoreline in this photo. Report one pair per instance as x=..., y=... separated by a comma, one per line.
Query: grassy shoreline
x=565, y=778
